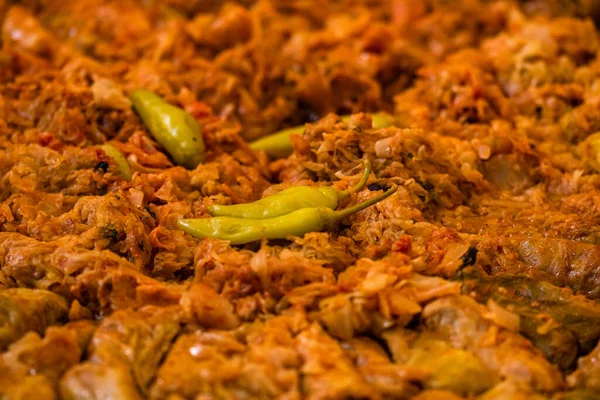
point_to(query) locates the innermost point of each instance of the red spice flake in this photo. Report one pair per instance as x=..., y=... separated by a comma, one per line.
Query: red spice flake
x=199, y=110
x=47, y=139
x=403, y=244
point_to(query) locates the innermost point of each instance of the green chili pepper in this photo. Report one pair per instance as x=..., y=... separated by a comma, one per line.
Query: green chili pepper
x=289, y=200
x=297, y=223
x=379, y=120
x=119, y=159
x=279, y=144
x=176, y=130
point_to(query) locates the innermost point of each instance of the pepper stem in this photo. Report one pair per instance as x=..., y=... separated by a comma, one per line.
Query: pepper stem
x=361, y=184
x=365, y=177
x=340, y=215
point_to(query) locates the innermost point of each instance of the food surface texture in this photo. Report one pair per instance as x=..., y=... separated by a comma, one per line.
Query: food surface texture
x=299, y=199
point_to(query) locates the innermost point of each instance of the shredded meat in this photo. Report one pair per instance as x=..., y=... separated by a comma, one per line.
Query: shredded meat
x=478, y=279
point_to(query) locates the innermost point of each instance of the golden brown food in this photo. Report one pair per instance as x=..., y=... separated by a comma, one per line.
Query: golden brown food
x=479, y=278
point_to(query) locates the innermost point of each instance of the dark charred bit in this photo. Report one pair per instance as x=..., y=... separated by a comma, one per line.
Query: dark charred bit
x=152, y=214
x=374, y=187
x=103, y=165
x=469, y=258
x=427, y=185
x=110, y=232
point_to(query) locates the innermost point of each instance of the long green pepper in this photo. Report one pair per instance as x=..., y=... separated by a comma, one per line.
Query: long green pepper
x=176, y=130
x=297, y=223
x=279, y=144
x=289, y=200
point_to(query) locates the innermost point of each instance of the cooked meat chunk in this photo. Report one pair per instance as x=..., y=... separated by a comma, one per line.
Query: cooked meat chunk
x=91, y=381
x=575, y=264
x=261, y=362
x=25, y=31
x=587, y=374
x=389, y=379
x=33, y=365
x=23, y=310
x=461, y=321
x=559, y=323
x=477, y=278
x=511, y=390
x=437, y=364
x=123, y=355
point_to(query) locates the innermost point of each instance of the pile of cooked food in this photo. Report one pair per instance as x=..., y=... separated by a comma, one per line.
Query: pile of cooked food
x=299, y=199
